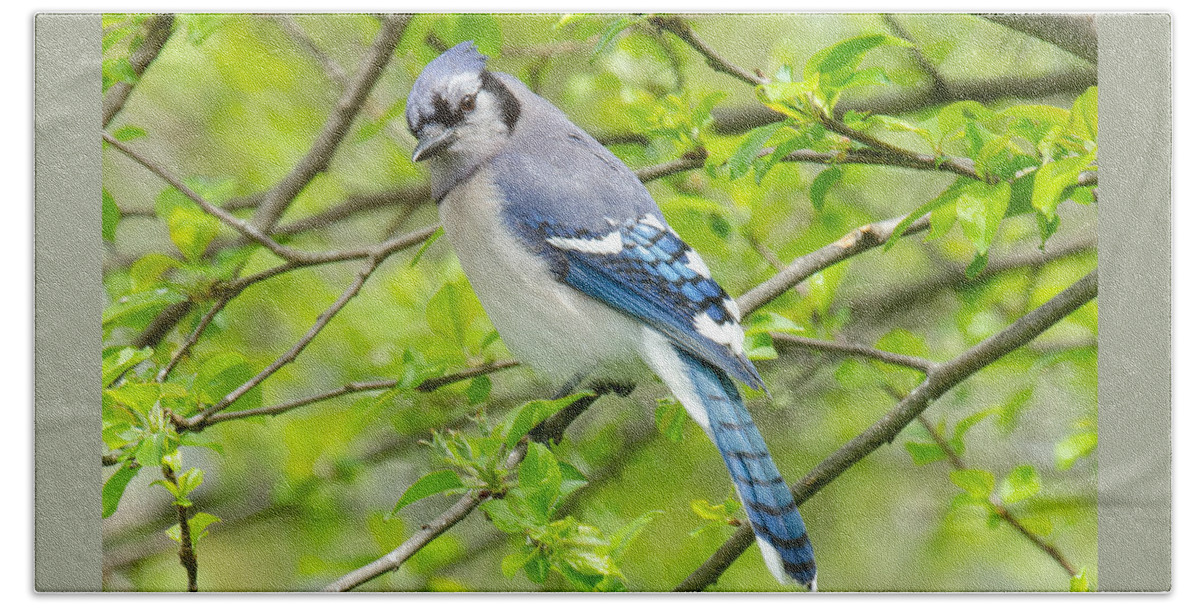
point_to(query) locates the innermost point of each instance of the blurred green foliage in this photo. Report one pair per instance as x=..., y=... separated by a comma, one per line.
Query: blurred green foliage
x=635, y=496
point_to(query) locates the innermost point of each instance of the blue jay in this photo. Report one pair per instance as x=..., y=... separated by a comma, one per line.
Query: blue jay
x=579, y=272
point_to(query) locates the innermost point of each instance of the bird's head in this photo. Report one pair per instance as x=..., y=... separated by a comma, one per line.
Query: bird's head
x=457, y=110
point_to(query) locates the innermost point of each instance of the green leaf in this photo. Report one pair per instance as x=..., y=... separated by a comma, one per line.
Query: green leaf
x=539, y=478
x=1052, y=180
x=670, y=417
x=502, y=516
x=437, y=482
x=609, y=36
x=1023, y=482
x=955, y=117
x=128, y=133
x=948, y=196
x=956, y=440
x=975, y=482
x=627, y=534
x=425, y=245
x=742, y=158
x=117, y=363
x=199, y=524
x=978, y=263
x=980, y=209
x=840, y=60
x=114, y=488
x=1073, y=447
x=451, y=312
x=821, y=185
x=479, y=390
x=220, y=375
x=759, y=347
x=537, y=569
x=1084, y=121
x=139, y=397
x=147, y=271
x=514, y=562
x=521, y=420
x=924, y=453
x=1080, y=582
x=137, y=309
x=110, y=216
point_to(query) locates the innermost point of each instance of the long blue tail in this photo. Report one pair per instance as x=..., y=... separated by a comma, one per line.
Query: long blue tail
x=768, y=501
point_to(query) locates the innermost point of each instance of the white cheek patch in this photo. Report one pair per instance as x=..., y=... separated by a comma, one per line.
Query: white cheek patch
x=696, y=263
x=609, y=244
x=729, y=334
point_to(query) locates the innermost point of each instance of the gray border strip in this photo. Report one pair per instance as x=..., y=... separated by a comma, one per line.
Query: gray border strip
x=68, y=302
x=1135, y=302
x=1135, y=307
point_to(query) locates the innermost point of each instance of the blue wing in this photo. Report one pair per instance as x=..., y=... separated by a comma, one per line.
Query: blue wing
x=645, y=270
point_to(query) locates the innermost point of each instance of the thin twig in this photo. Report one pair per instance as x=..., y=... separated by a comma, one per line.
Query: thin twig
x=429, y=385
x=1002, y=511
x=383, y=249
x=199, y=421
x=187, y=552
x=680, y=28
x=869, y=156
x=192, y=338
x=858, y=350
x=155, y=32
x=692, y=160
x=245, y=229
x=428, y=532
x=941, y=378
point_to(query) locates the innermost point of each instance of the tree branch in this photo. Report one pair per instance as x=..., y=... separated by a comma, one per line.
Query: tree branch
x=336, y=126
x=869, y=156
x=156, y=31
x=187, y=551
x=957, y=463
x=428, y=532
x=941, y=378
x=691, y=160
x=728, y=120
x=855, y=242
x=1075, y=34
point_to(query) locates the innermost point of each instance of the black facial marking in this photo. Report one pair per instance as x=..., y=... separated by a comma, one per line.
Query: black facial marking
x=510, y=108
x=445, y=113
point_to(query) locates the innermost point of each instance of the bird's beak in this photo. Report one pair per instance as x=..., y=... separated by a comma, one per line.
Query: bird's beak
x=429, y=145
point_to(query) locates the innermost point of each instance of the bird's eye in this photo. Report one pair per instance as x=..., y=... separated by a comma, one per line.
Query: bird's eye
x=467, y=104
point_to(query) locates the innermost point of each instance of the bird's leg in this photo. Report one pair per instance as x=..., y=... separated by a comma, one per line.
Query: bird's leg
x=552, y=429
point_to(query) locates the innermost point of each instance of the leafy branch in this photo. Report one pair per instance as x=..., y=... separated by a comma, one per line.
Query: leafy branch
x=940, y=378
x=949, y=452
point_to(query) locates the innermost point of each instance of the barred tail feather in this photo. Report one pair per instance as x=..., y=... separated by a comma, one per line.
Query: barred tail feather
x=713, y=401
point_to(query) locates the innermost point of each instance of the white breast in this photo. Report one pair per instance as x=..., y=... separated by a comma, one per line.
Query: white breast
x=545, y=323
